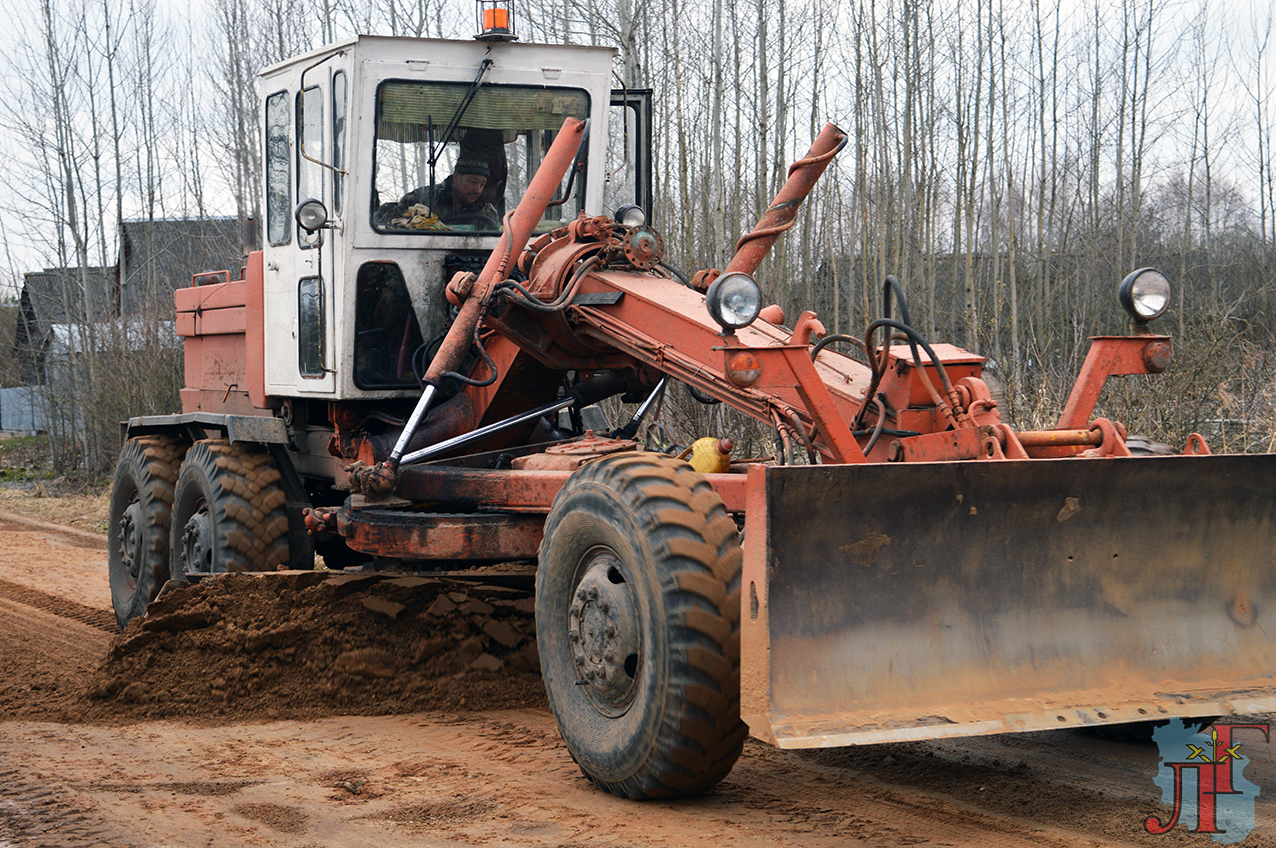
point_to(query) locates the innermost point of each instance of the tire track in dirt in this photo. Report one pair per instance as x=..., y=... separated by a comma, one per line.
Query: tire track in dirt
x=71, y=536
x=772, y=792
x=39, y=813
x=61, y=607
x=471, y=775
x=61, y=561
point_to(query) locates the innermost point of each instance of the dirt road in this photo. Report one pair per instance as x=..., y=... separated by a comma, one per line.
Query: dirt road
x=324, y=744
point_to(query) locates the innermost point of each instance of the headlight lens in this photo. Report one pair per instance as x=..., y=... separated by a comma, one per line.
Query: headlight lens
x=1144, y=294
x=734, y=300
x=630, y=216
x=311, y=215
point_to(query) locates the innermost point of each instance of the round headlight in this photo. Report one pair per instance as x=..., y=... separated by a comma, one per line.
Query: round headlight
x=311, y=215
x=630, y=216
x=734, y=300
x=1144, y=294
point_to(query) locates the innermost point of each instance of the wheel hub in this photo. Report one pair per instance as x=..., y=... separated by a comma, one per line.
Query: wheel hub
x=197, y=548
x=129, y=532
x=605, y=638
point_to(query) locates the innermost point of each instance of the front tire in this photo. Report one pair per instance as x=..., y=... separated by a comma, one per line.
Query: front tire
x=637, y=621
x=228, y=511
x=140, y=513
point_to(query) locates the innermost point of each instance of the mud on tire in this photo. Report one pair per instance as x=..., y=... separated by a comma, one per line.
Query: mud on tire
x=140, y=513
x=637, y=620
x=228, y=511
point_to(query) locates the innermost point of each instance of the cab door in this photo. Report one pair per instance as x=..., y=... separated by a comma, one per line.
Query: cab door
x=300, y=267
x=629, y=159
x=317, y=260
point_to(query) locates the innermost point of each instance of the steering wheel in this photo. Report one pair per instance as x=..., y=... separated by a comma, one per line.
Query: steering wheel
x=472, y=218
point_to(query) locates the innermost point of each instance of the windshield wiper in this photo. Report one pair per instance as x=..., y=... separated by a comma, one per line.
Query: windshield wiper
x=437, y=150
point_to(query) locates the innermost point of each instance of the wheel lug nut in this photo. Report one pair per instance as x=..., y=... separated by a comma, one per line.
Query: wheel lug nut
x=609, y=656
x=605, y=607
x=580, y=595
x=611, y=629
x=593, y=592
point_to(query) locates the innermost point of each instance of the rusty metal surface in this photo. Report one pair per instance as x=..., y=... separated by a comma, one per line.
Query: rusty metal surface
x=550, y=462
x=1111, y=356
x=263, y=429
x=572, y=455
x=1052, y=438
x=904, y=388
x=689, y=347
x=521, y=491
x=946, y=445
x=408, y=535
x=780, y=215
x=887, y=602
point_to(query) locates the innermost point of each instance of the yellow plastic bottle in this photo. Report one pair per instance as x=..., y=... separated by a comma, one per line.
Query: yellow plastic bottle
x=709, y=455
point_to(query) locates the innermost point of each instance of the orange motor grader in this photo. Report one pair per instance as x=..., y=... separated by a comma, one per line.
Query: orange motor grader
x=923, y=571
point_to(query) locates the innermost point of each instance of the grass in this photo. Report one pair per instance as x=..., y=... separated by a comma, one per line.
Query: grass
x=24, y=459
x=30, y=487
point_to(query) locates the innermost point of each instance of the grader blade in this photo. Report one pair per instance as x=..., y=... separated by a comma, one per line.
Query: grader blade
x=915, y=601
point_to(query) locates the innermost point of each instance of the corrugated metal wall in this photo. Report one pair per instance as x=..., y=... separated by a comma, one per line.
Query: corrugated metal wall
x=20, y=409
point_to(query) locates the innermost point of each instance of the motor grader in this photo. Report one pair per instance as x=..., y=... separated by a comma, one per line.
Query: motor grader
x=387, y=386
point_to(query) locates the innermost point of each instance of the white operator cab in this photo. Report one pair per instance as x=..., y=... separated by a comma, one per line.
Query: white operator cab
x=375, y=127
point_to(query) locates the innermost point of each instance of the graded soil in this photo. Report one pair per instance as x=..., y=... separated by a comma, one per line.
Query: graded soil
x=304, y=709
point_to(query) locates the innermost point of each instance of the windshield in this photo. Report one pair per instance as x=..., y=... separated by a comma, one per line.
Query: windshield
x=481, y=172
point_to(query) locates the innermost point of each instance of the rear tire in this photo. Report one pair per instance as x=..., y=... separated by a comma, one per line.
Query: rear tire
x=637, y=620
x=228, y=511
x=140, y=513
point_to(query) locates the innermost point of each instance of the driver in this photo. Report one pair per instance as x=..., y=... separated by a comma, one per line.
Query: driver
x=459, y=196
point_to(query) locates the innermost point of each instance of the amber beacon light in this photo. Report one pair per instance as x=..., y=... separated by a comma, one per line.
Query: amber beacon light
x=496, y=20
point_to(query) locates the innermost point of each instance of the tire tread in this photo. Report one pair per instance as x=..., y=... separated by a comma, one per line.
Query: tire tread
x=148, y=467
x=244, y=482
x=690, y=533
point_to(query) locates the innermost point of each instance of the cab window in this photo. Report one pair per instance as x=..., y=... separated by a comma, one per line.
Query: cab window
x=311, y=327
x=387, y=332
x=278, y=180
x=310, y=150
x=338, y=138
x=430, y=181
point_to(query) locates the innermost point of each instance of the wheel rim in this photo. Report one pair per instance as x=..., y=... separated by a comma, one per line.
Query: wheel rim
x=197, y=542
x=129, y=537
x=605, y=634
